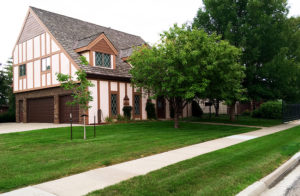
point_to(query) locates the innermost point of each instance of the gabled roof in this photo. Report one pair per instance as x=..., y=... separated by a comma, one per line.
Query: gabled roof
x=72, y=33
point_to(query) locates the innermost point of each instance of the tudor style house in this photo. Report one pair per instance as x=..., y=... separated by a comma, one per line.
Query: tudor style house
x=51, y=43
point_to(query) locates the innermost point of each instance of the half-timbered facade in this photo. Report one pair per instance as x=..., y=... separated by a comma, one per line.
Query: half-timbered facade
x=50, y=43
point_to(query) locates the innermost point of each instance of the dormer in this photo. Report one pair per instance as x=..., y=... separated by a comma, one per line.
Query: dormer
x=98, y=50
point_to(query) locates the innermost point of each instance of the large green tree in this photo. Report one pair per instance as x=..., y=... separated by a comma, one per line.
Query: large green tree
x=260, y=29
x=177, y=67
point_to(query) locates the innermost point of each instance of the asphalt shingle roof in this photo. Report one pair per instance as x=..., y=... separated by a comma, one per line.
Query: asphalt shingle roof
x=72, y=33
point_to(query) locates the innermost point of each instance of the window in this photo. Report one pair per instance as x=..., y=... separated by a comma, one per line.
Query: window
x=114, y=104
x=102, y=60
x=137, y=101
x=22, y=70
x=46, y=64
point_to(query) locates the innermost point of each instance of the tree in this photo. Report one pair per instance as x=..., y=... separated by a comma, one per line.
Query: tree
x=225, y=77
x=6, y=91
x=177, y=67
x=259, y=29
x=81, y=95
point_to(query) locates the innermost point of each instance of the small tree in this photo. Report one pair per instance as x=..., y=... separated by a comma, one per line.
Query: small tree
x=81, y=95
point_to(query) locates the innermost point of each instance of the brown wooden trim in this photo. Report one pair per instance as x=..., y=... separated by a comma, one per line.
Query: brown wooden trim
x=41, y=45
x=50, y=70
x=33, y=75
x=70, y=69
x=132, y=100
x=26, y=76
x=38, y=88
x=58, y=44
x=38, y=58
x=95, y=41
x=45, y=42
x=91, y=58
x=98, y=94
x=59, y=62
x=32, y=48
x=109, y=99
x=119, y=105
x=18, y=54
x=22, y=52
x=26, y=50
x=114, y=63
x=125, y=88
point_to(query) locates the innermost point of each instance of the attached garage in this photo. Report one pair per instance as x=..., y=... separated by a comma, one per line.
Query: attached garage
x=65, y=110
x=40, y=110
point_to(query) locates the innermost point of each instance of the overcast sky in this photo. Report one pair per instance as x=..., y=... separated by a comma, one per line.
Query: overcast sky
x=146, y=18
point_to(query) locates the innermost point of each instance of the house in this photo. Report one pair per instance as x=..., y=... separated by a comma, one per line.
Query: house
x=51, y=43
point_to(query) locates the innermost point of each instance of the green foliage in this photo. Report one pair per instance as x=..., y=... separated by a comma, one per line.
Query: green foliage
x=81, y=94
x=121, y=118
x=7, y=97
x=177, y=68
x=196, y=109
x=246, y=113
x=9, y=116
x=270, y=110
x=150, y=109
x=109, y=119
x=270, y=43
x=127, y=111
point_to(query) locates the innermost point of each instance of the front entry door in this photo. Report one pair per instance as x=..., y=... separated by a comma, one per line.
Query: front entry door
x=161, y=107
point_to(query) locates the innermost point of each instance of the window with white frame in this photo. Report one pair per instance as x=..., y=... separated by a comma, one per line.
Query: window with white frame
x=46, y=64
x=102, y=60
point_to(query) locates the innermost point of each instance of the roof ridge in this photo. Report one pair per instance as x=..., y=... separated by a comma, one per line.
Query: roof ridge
x=107, y=28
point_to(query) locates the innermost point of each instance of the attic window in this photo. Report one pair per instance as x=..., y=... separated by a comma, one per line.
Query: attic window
x=102, y=60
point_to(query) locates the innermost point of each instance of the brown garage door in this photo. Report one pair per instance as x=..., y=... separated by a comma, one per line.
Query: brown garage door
x=65, y=110
x=40, y=110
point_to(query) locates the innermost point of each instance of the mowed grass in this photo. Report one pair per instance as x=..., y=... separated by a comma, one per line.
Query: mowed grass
x=224, y=172
x=33, y=157
x=242, y=120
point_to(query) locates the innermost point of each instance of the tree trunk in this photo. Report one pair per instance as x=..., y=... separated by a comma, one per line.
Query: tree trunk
x=217, y=107
x=232, y=112
x=176, y=119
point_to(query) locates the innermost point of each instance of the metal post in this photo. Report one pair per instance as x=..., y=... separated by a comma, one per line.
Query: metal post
x=71, y=125
x=94, y=126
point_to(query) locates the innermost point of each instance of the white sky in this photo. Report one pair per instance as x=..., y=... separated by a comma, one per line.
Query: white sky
x=146, y=18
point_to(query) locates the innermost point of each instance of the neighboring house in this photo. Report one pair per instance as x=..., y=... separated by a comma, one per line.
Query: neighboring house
x=50, y=43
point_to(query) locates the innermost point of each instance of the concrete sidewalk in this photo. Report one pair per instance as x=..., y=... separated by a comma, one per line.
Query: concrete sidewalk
x=83, y=183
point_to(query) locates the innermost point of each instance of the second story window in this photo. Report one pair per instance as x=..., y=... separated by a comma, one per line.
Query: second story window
x=22, y=70
x=102, y=60
x=46, y=64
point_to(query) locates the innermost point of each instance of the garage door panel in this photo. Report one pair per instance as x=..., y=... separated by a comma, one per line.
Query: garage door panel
x=40, y=110
x=65, y=110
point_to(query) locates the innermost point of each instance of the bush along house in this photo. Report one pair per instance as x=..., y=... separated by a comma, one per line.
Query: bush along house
x=51, y=43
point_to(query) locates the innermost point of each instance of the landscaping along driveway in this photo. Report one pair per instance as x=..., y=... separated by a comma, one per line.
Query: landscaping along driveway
x=19, y=127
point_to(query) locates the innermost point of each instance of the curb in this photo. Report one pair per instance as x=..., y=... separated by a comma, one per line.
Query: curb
x=272, y=179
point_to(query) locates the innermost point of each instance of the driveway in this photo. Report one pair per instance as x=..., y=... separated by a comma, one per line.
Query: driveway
x=19, y=127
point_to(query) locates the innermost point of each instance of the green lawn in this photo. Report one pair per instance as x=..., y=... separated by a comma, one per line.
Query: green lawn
x=37, y=156
x=224, y=172
x=243, y=120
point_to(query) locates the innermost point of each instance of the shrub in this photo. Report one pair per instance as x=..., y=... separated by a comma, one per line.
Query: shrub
x=196, y=109
x=127, y=111
x=171, y=111
x=150, y=109
x=270, y=109
x=109, y=119
x=121, y=118
x=246, y=113
x=8, y=116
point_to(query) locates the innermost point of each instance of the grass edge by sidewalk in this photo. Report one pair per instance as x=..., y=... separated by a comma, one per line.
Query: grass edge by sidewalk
x=179, y=178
